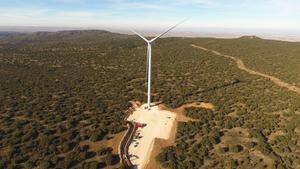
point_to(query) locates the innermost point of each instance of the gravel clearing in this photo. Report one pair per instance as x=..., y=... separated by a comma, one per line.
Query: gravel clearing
x=158, y=125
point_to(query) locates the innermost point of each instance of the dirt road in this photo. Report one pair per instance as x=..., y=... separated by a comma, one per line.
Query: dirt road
x=125, y=145
x=242, y=66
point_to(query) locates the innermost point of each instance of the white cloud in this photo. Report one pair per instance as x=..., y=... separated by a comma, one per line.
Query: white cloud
x=21, y=12
x=275, y=7
x=71, y=1
x=125, y=13
x=45, y=17
x=140, y=5
x=246, y=24
x=80, y=14
x=198, y=2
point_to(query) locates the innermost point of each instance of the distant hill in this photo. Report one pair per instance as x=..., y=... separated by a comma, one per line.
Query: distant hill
x=68, y=34
x=199, y=32
x=9, y=34
x=249, y=37
x=64, y=96
x=15, y=40
x=28, y=29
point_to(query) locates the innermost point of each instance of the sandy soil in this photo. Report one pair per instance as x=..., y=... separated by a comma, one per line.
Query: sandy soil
x=268, y=160
x=273, y=136
x=160, y=131
x=159, y=144
x=233, y=114
x=95, y=146
x=236, y=136
x=180, y=110
x=183, y=107
x=113, y=143
x=180, y=117
x=242, y=66
x=159, y=124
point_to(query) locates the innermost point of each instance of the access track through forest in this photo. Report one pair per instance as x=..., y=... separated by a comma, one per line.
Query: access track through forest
x=241, y=65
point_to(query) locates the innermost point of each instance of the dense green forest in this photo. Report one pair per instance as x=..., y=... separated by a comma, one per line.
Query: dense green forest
x=278, y=58
x=59, y=89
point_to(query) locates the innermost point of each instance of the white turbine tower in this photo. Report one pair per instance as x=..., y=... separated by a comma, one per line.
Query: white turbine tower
x=148, y=70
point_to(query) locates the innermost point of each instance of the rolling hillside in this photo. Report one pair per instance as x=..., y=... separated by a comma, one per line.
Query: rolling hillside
x=64, y=96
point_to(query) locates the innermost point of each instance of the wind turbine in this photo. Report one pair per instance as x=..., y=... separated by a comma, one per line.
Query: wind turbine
x=149, y=55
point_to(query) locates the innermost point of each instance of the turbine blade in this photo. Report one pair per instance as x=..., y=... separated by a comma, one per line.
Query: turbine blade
x=140, y=36
x=160, y=35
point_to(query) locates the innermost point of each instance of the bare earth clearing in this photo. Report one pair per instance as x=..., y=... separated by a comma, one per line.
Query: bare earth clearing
x=96, y=146
x=180, y=110
x=180, y=117
x=242, y=66
x=113, y=143
x=159, y=132
x=158, y=125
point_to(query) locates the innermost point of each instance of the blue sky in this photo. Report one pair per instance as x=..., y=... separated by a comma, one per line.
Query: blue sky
x=237, y=14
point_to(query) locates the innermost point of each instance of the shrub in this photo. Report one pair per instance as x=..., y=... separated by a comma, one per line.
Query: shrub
x=104, y=151
x=98, y=135
x=223, y=149
x=232, y=164
x=111, y=159
x=91, y=165
x=236, y=148
x=162, y=157
x=251, y=144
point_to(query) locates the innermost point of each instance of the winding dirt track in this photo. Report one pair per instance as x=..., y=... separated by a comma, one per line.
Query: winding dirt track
x=124, y=145
x=242, y=66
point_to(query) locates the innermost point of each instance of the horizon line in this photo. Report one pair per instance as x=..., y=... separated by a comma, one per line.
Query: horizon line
x=203, y=32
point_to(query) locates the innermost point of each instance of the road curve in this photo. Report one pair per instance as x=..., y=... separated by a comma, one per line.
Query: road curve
x=124, y=145
x=241, y=65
